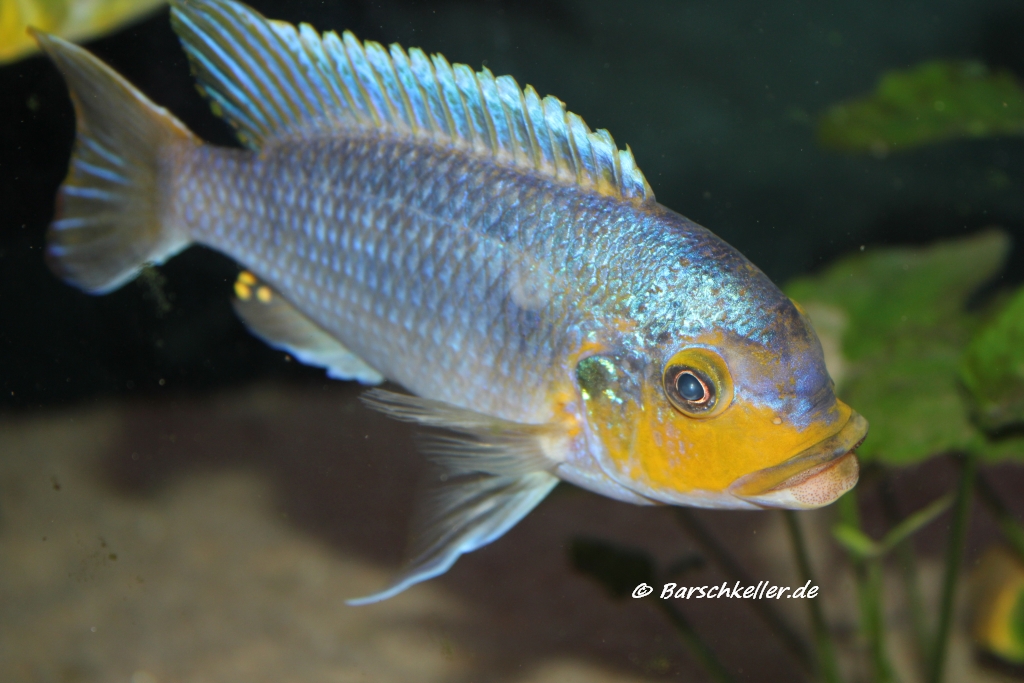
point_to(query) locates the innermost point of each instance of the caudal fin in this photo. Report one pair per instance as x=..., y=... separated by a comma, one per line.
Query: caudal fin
x=110, y=217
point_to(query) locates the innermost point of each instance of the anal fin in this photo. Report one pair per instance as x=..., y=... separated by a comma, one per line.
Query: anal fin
x=488, y=474
x=274, y=320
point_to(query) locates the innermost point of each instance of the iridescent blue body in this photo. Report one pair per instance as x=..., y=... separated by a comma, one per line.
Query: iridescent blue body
x=470, y=282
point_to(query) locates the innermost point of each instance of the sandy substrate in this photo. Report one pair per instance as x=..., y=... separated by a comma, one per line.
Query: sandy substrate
x=216, y=540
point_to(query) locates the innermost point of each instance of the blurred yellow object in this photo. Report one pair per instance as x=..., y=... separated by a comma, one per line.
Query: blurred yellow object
x=998, y=604
x=71, y=19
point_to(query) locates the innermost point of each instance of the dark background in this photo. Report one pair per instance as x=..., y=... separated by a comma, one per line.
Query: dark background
x=717, y=101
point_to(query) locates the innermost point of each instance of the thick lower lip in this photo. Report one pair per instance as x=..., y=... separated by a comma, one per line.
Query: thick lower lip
x=812, y=478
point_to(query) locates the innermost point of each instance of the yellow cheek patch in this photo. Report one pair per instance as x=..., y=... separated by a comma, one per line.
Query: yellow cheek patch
x=649, y=442
x=669, y=451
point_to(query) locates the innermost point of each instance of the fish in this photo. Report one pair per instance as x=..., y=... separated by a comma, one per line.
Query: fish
x=401, y=218
x=72, y=19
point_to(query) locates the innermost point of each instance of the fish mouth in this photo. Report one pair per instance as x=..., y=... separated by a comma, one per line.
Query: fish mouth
x=813, y=477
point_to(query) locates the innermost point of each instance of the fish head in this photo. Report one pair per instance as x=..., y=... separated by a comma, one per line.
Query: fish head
x=719, y=418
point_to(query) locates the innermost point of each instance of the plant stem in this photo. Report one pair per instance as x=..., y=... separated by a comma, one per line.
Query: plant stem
x=697, y=646
x=1010, y=527
x=869, y=575
x=954, y=555
x=908, y=569
x=828, y=667
x=734, y=572
x=875, y=618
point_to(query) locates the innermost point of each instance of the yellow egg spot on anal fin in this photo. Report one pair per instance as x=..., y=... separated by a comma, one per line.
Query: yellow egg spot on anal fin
x=276, y=321
x=244, y=284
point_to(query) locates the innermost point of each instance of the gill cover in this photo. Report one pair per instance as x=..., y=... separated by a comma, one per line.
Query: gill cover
x=612, y=400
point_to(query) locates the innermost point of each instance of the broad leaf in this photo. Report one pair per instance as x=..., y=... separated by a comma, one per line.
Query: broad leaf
x=993, y=368
x=931, y=102
x=904, y=327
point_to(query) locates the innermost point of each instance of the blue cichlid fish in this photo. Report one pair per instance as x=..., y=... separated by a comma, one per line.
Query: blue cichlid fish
x=402, y=218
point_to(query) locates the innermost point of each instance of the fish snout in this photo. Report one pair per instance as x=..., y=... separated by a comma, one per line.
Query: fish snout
x=812, y=478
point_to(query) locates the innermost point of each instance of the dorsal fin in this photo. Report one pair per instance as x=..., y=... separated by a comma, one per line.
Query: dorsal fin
x=273, y=81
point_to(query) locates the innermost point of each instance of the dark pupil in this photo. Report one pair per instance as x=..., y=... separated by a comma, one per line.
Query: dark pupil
x=689, y=387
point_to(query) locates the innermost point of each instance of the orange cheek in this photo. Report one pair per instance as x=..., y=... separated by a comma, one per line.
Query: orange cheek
x=670, y=451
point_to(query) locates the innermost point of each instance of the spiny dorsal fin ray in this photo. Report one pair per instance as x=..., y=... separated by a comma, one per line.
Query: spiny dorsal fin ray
x=273, y=81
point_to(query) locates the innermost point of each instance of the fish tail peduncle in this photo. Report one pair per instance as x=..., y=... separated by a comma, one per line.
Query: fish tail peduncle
x=109, y=221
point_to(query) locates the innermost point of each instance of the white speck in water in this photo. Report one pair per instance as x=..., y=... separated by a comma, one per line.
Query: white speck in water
x=93, y=629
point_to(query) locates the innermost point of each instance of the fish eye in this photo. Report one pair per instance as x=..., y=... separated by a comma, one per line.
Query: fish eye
x=691, y=387
x=689, y=390
x=697, y=382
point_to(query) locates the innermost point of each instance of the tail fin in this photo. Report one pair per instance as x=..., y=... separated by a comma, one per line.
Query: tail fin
x=109, y=221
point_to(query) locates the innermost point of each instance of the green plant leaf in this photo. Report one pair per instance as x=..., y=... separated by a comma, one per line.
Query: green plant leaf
x=864, y=547
x=856, y=541
x=993, y=368
x=904, y=327
x=618, y=569
x=915, y=522
x=928, y=103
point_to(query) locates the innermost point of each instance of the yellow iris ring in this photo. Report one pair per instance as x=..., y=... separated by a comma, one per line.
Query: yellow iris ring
x=710, y=369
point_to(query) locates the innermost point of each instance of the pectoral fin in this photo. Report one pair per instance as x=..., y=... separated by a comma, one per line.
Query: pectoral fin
x=281, y=325
x=478, y=443
x=491, y=473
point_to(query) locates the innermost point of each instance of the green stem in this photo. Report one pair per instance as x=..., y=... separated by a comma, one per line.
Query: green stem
x=1010, y=527
x=869, y=575
x=828, y=667
x=954, y=555
x=697, y=647
x=911, y=583
x=734, y=572
x=875, y=618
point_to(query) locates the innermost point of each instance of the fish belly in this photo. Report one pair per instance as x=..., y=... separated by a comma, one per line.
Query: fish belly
x=444, y=272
